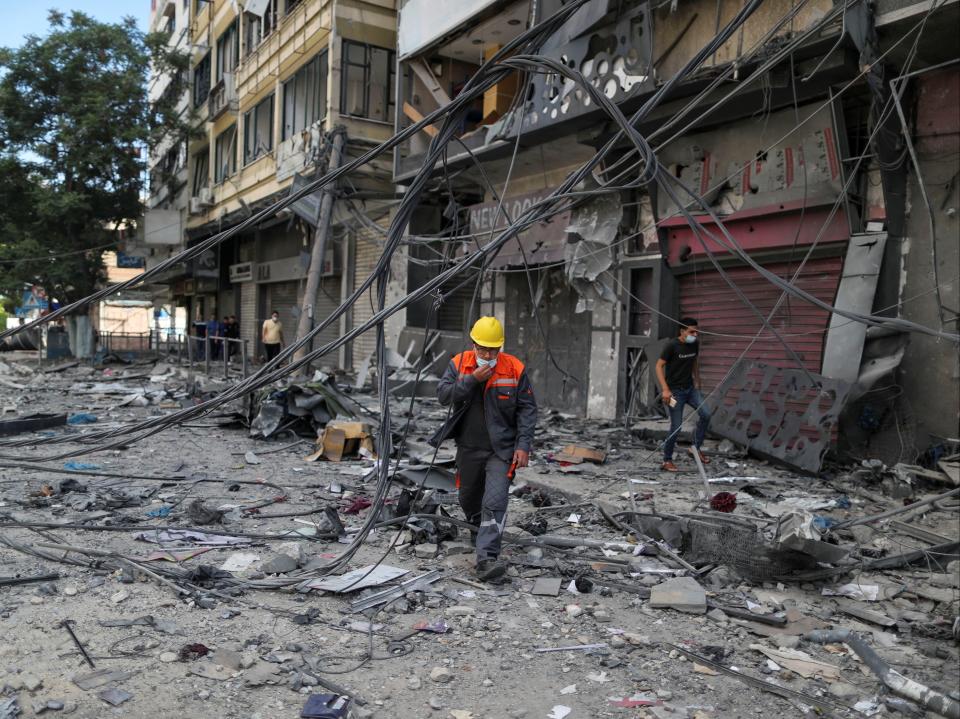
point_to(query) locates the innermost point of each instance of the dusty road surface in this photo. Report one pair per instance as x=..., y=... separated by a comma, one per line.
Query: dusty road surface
x=221, y=620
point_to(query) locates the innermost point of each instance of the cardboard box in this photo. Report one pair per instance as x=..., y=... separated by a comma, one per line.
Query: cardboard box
x=343, y=440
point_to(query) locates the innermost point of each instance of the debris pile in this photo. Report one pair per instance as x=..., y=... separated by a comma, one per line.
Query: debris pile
x=198, y=562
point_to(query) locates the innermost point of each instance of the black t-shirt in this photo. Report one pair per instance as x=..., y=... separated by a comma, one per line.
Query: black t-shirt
x=472, y=431
x=680, y=358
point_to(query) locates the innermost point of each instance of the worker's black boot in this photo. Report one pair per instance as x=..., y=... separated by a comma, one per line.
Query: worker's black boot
x=490, y=569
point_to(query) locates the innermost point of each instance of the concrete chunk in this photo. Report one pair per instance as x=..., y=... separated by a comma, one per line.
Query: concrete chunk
x=682, y=594
x=425, y=551
x=279, y=564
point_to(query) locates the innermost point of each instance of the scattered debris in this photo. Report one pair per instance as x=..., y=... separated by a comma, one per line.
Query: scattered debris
x=325, y=706
x=682, y=594
x=799, y=662
x=341, y=440
x=115, y=697
x=574, y=454
x=589, y=576
x=31, y=423
x=369, y=576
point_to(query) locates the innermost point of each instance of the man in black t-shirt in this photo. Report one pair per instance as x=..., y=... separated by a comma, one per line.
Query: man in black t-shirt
x=678, y=372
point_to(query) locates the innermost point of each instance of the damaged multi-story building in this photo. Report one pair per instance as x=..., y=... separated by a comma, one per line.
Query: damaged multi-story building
x=822, y=135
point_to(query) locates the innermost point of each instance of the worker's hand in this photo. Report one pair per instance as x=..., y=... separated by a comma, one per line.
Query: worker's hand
x=482, y=374
x=667, y=394
x=521, y=457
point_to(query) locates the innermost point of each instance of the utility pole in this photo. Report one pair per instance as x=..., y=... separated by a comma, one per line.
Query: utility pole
x=320, y=242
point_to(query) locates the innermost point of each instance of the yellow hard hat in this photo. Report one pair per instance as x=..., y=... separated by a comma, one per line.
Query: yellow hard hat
x=487, y=332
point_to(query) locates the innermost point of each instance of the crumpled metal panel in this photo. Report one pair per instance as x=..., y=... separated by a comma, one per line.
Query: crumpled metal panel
x=597, y=223
x=858, y=286
x=779, y=412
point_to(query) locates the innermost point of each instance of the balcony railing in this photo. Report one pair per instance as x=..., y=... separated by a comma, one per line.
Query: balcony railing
x=223, y=97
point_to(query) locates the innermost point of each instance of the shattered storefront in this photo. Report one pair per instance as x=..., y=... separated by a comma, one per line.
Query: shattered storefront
x=551, y=281
x=786, y=207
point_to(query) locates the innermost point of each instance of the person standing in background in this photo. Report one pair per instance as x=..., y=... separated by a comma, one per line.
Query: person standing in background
x=272, y=335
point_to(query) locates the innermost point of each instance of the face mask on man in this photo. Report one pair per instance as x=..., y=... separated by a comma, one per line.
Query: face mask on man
x=481, y=362
x=690, y=339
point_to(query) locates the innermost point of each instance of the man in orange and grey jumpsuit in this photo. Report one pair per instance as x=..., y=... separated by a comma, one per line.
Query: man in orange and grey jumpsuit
x=493, y=418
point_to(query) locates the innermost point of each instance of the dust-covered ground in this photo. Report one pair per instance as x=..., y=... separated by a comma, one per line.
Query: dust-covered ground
x=268, y=642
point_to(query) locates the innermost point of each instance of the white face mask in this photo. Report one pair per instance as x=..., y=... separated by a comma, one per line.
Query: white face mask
x=486, y=362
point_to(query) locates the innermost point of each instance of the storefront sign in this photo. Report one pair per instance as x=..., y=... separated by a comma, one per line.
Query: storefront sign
x=542, y=242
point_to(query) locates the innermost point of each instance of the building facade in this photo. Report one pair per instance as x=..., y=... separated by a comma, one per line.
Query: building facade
x=795, y=137
x=273, y=83
x=165, y=213
x=813, y=143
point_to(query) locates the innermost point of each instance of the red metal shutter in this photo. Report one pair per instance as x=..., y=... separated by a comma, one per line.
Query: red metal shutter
x=707, y=297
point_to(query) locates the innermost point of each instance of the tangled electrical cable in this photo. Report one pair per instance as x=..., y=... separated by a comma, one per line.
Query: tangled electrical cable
x=520, y=55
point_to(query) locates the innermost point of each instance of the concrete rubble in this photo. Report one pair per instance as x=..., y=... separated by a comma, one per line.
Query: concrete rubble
x=647, y=604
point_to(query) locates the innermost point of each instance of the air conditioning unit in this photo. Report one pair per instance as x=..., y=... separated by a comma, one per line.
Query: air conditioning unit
x=205, y=195
x=241, y=272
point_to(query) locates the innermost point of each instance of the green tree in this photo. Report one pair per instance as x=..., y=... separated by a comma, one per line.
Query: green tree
x=74, y=124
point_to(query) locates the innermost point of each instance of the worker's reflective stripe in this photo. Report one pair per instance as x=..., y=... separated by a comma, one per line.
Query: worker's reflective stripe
x=505, y=382
x=494, y=523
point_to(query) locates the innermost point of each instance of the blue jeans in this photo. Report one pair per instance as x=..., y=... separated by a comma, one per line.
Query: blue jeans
x=688, y=396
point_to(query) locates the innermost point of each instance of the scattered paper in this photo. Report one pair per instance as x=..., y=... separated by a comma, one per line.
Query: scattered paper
x=572, y=689
x=599, y=678
x=559, y=712
x=240, y=561
x=867, y=707
x=574, y=519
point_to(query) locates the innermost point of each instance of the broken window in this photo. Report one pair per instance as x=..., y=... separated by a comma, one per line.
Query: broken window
x=258, y=131
x=367, y=87
x=168, y=165
x=228, y=51
x=201, y=81
x=201, y=171
x=291, y=4
x=225, y=154
x=305, y=97
x=256, y=28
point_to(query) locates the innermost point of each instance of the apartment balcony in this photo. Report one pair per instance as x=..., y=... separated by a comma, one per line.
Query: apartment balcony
x=160, y=13
x=223, y=97
x=303, y=31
